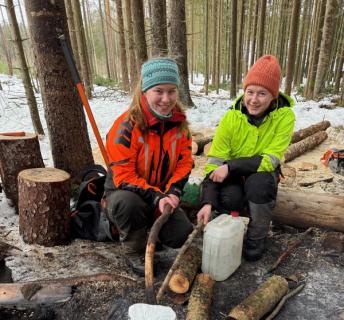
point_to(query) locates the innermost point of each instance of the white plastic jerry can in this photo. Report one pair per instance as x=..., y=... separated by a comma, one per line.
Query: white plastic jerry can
x=222, y=246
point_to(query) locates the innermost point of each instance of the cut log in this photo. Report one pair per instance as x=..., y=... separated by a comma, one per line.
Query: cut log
x=200, y=299
x=296, y=149
x=308, y=209
x=189, y=264
x=17, y=152
x=306, y=132
x=198, y=144
x=44, y=214
x=260, y=302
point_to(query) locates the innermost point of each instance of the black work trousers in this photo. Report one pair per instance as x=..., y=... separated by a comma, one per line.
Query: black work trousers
x=236, y=191
x=130, y=213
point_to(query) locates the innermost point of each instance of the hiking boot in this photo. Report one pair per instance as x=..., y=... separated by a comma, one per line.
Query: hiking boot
x=137, y=263
x=253, y=249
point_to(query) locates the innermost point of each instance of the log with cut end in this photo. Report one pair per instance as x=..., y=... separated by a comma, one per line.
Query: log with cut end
x=200, y=298
x=306, y=132
x=18, y=151
x=260, y=302
x=189, y=264
x=207, y=148
x=198, y=144
x=44, y=214
x=296, y=149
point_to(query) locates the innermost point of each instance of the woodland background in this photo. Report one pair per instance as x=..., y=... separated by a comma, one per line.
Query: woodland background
x=218, y=39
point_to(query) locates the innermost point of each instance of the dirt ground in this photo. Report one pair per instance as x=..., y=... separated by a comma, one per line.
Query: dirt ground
x=318, y=261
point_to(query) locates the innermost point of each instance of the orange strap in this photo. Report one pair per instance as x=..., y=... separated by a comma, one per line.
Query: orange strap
x=13, y=134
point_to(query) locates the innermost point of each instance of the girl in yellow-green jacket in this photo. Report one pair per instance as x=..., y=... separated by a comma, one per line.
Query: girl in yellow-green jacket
x=248, y=146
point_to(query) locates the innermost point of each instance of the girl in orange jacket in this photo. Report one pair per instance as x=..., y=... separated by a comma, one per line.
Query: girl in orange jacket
x=149, y=148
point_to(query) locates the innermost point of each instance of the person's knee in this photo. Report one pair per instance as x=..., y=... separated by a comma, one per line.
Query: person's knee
x=261, y=188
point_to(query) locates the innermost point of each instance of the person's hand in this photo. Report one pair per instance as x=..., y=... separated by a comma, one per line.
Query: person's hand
x=164, y=201
x=220, y=173
x=175, y=199
x=204, y=213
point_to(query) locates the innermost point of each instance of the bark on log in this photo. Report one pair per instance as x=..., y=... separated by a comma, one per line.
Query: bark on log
x=44, y=214
x=198, y=144
x=308, y=209
x=182, y=278
x=306, y=132
x=296, y=149
x=260, y=302
x=200, y=299
x=17, y=152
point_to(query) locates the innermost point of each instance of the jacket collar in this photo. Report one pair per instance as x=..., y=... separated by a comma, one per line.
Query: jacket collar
x=177, y=116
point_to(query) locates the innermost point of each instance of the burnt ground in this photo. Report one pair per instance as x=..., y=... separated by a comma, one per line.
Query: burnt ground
x=319, y=261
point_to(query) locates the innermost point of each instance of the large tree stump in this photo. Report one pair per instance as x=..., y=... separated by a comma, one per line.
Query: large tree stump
x=306, y=132
x=200, y=299
x=260, y=302
x=17, y=152
x=307, y=144
x=189, y=264
x=44, y=213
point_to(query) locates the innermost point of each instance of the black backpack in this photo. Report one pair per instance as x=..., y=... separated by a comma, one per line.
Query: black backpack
x=88, y=217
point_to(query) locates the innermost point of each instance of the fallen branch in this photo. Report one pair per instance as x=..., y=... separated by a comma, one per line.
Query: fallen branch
x=175, y=264
x=150, y=249
x=283, y=301
x=290, y=248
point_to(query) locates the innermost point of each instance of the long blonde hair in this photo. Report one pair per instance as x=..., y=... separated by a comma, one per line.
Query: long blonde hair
x=136, y=115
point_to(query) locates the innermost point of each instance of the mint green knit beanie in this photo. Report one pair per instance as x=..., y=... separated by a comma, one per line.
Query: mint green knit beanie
x=159, y=71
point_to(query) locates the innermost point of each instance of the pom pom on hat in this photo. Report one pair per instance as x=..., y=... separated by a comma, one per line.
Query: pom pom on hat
x=159, y=71
x=266, y=72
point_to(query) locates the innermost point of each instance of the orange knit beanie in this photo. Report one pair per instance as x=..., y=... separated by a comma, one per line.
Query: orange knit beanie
x=266, y=72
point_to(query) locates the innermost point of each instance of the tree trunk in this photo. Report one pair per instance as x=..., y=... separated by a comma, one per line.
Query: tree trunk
x=178, y=47
x=139, y=32
x=314, y=54
x=132, y=59
x=6, y=51
x=16, y=154
x=309, y=209
x=72, y=33
x=110, y=41
x=233, y=49
x=339, y=68
x=255, y=22
x=325, y=47
x=206, y=43
x=107, y=60
x=122, y=50
x=44, y=214
x=292, y=45
x=159, y=28
x=189, y=264
x=306, y=132
x=70, y=144
x=241, y=30
x=296, y=149
x=24, y=70
x=81, y=40
x=200, y=299
x=261, y=28
x=260, y=302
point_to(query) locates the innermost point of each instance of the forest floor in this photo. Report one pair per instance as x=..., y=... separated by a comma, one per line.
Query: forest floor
x=319, y=261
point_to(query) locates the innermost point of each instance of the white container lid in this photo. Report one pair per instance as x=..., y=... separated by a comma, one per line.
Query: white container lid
x=143, y=311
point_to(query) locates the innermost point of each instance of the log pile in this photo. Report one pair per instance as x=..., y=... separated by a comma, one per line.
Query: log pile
x=44, y=213
x=18, y=151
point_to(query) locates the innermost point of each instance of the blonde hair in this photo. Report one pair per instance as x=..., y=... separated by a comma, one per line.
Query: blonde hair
x=136, y=114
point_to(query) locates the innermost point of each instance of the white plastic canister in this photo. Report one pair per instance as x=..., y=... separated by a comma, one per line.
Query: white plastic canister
x=222, y=246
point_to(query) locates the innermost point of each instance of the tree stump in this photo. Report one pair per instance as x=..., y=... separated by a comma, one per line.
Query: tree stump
x=17, y=152
x=200, y=299
x=189, y=264
x=44, y=213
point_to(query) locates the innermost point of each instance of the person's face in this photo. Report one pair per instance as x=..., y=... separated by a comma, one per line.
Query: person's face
x=257, y=100
x=162, y=98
